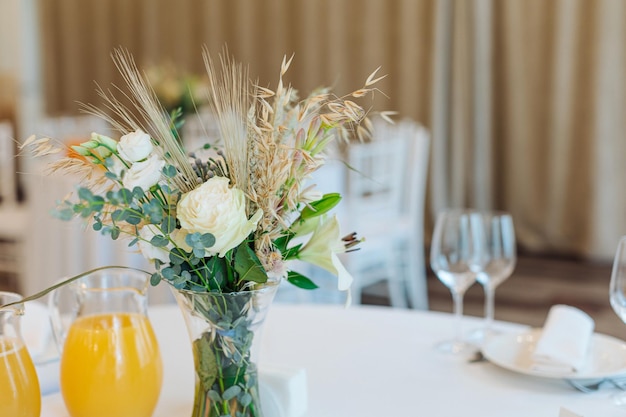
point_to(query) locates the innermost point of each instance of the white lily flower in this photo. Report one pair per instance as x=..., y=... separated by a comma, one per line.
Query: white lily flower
x=322, y=250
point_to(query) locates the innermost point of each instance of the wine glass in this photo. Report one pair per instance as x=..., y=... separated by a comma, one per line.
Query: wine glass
x=617, y=295
x=498, y=258
x=453, y=257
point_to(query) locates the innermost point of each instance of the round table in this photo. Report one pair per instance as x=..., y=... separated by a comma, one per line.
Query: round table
x=366, y=361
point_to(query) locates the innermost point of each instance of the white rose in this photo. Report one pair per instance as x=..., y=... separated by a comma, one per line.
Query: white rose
x=135, y=146
x=149, y=251
x=217, y=209
x=144, y=174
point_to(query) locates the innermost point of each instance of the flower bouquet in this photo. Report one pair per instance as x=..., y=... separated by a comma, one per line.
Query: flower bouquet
x=222, y=224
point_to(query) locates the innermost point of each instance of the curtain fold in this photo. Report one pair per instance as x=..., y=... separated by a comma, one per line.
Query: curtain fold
x=526, y=99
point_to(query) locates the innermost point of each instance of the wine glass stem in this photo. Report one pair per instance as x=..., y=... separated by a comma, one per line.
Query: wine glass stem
x=458, y=314
x=490, y=292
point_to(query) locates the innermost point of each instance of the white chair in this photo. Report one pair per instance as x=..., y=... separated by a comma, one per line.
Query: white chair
x=13, y=215
x=66, y=248
x=199, y=128
x=384, y=202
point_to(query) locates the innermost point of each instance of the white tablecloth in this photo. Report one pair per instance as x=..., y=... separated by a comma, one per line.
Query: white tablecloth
x=373, y=362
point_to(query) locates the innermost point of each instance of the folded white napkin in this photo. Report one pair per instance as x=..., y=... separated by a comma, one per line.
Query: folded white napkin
x=36, y=329
x=283, y=391
x=564, y=341
x=37, y=334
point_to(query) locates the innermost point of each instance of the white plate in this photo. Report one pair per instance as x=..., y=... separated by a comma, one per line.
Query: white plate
x=607, y=356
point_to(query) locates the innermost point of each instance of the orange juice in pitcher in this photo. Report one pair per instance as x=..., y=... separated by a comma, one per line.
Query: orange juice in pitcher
x=110, y=361
x=19, y=387
x=111, y=366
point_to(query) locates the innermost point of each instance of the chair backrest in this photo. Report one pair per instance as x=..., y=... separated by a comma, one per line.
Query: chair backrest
x=8, y=192
x=416, y=169
x=375, y=178
x=199, y=129
x=72, y=129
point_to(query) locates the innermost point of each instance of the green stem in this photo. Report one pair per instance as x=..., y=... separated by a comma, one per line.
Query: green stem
x=67, y=281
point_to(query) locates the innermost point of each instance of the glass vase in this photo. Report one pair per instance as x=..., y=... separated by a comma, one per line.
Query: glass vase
x=224, y=329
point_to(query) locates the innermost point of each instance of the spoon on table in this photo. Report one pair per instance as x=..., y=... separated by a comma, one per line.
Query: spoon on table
x=595, y=386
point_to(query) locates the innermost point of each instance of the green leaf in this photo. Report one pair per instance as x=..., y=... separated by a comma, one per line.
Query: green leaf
x=321, y=206
x=300, y=281
x=159, y=241
x=134, y=217
x=115, y=233
x=138, y=193
x=85, y=194
x=207, y=240
x=125, y=195
x=205, y=361
x=119, y=215
x=246, y=399
x=231, y=393
x=292, y=253
x=168, y=273
x=65, y=214
x=168, y=225
x=248, y=266
x=155, y=279
x=169, y=171
x=97, y=203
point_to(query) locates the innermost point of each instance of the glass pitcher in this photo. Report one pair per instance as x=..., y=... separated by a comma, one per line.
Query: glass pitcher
x=110, y=361
x=19, y=387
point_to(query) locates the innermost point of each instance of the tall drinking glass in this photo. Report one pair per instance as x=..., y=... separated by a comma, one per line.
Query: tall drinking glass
x=498, y=258
x=617, y=295
x=453, y=257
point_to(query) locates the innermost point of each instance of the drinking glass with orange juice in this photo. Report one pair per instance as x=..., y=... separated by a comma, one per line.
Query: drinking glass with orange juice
x=19, y=387
x=110, y=362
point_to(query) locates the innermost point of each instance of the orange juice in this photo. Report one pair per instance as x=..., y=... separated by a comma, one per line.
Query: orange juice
x=19, y=386
x=111, y=366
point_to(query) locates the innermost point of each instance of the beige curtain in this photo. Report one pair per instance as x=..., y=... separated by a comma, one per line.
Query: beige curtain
x=525, y=98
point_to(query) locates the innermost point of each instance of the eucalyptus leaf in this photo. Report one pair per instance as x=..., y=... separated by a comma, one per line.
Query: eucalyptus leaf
x=159, y=241
x=231, y=392
x=168, y=225
x=155, y=279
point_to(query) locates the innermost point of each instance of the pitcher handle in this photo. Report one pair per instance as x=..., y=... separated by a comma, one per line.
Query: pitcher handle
x=59, y=327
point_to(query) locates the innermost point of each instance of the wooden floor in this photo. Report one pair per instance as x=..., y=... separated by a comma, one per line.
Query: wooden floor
x=526, y=297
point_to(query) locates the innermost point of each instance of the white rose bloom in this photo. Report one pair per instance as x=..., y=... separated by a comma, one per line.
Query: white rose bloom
x=135, y=146
x=144, y=174
x=217, y=209
x=149, y=251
